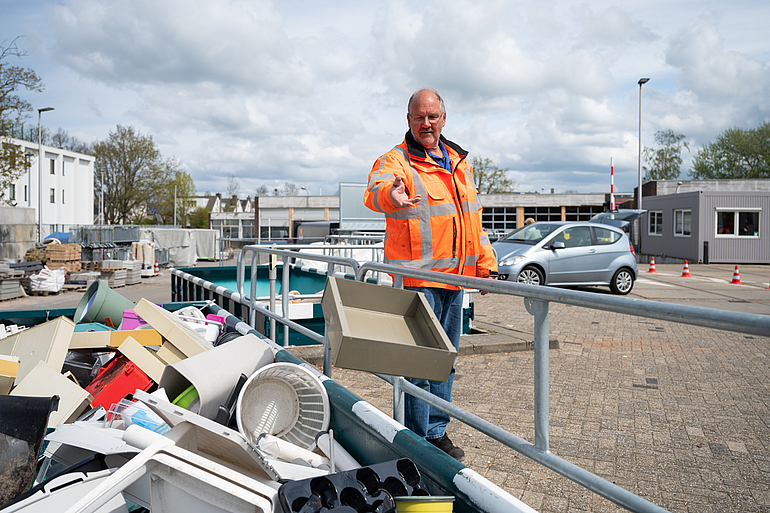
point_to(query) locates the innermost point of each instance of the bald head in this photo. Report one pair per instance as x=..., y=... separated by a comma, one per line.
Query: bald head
x=425, y=91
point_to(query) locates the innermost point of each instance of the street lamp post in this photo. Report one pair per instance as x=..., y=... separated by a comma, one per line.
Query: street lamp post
x=642, y=81
x=40, y=173
x=307, y=201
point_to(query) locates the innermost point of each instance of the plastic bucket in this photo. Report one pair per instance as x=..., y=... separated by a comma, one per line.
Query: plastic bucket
x=424, y=504
x=284, y=400
x=100, y=302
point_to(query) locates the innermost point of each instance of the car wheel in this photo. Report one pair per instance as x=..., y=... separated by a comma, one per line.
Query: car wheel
x=622, y=282
x=531, y=276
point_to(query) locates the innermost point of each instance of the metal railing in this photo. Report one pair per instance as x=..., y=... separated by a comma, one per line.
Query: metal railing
x=253, y=303
x=537, y=301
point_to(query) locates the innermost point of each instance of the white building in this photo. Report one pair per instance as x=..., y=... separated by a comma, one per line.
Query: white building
x=67, y=187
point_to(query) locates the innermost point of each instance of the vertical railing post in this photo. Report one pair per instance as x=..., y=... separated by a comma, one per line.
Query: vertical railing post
x=327, y=356
x=539, y=309
x=285, y=299
x=253, y=290
x=272, y=275
x=399, y=401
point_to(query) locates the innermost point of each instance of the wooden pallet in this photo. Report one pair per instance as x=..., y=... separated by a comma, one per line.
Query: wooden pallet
x=72, y=266
x=63, y=252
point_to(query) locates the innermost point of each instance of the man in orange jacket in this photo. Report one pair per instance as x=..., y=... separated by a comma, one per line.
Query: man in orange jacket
x=425, y=188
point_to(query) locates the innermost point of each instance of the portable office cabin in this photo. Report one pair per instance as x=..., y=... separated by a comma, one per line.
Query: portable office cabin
x=735, y=225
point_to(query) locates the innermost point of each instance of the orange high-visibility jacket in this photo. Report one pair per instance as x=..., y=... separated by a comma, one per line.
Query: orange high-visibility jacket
x=441, y=232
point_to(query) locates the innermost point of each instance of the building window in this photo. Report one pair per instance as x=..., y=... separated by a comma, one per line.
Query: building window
x=25, y=193
x=62, y=196
x=682, y=222
x=499, y=220
x=53, y=168
x=655, y=224
x=738, y=223
x=53, y=195
x=12, y=192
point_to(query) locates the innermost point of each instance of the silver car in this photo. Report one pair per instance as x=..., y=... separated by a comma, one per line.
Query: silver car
x=568, y=253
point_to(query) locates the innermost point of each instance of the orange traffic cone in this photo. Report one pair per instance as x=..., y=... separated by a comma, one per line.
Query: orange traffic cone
x=157, y=269
x=652, y=266
x=736, y=277
x=686, y=270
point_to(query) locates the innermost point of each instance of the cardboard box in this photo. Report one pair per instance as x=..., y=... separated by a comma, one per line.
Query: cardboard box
x=143, y=358
x=47, y=342
x=9, y=367
x=113, y=339
x=172, y=328
x=386, y=330
x=43, y=381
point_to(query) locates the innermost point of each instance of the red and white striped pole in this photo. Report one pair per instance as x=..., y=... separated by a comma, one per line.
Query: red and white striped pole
x=612, y=184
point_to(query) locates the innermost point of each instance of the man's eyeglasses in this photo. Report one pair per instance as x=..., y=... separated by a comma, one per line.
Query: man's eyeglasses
x=432, y=119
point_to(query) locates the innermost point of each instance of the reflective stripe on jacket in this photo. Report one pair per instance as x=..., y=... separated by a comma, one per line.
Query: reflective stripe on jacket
x=442, y=232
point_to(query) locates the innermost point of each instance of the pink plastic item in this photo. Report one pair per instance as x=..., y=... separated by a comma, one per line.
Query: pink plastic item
x=216, y=318
x=131, y=321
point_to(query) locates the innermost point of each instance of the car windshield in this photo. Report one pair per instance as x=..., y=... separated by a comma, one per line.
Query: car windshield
x=618, y=216
x=531, y=234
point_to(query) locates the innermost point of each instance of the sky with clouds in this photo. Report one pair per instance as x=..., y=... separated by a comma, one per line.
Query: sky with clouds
x=313, y=92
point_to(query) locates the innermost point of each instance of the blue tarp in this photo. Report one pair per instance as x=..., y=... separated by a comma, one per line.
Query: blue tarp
x=64, y=237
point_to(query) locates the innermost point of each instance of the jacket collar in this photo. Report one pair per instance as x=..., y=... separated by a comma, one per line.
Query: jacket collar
x=416, y=149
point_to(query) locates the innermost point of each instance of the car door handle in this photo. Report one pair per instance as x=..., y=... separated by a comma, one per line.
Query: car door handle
x=592, y=250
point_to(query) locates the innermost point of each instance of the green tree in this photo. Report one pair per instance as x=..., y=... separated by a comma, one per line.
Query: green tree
x=736, y=154
x=13, y=111
x=489, y=178
x=130, y=170
x=665, y=163
x=199, y=218
x=173, y=183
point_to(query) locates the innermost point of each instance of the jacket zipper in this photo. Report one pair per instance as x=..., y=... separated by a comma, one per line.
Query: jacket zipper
x=454, y=237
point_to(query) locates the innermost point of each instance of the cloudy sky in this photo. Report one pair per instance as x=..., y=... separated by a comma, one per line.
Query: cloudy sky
x=313, y=92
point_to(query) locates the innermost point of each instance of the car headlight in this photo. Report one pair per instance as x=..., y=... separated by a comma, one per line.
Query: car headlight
x=516, y=259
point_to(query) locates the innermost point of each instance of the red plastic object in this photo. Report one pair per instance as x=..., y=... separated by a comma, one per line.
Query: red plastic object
x=119, y=378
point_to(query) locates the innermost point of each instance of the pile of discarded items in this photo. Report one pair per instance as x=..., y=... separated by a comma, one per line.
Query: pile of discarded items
x=134, y=407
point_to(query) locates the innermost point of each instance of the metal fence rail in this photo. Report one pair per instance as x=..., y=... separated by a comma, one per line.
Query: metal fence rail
x=536, y=300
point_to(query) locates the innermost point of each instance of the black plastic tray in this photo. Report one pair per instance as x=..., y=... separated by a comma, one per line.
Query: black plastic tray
x=364, y=489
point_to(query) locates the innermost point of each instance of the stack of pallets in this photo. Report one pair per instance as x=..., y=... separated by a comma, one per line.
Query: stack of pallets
x=10, y=282
x=35, y=254
x=84, y=278
x=63, y=255
x=114, y=273
x=133, y=271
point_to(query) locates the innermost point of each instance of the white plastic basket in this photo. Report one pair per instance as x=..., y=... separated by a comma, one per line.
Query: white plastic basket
x=283, y=400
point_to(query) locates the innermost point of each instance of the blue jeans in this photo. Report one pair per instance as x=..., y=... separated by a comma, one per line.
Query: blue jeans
x=425, y=420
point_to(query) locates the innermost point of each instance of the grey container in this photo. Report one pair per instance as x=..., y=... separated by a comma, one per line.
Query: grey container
x=386, y=330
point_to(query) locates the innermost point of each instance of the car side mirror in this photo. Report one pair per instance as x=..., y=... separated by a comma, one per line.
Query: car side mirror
x=558, y=245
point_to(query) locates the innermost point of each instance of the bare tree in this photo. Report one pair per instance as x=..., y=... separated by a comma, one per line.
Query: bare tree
x=233, y=186
x=289, y=189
